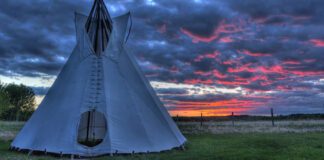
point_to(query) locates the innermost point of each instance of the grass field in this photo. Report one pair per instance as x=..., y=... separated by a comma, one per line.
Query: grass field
x=295, y=140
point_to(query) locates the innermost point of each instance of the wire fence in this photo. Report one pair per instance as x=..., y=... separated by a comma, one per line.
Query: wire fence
x=232, y=118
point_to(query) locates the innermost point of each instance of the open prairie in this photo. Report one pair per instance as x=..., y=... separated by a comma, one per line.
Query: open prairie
x=300, y=139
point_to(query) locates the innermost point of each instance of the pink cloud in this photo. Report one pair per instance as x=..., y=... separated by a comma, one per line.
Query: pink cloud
x=254, y=54
x=245, y=81
x=218, y=74
x=273, y=69
x=296, y=19
x=283, y=88
x=214, y=73
x=317, y=42
x=235, y=83
x=233, y=61
x=262, y=69
x=198, y=38
x=307, y=73
x=174, y=69
x=291, y=62
x=226, y=40
x=220, y=29
x=213, y=55
x=201, y=73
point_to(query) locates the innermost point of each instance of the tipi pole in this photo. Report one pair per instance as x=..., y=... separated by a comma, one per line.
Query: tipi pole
x=88, y=125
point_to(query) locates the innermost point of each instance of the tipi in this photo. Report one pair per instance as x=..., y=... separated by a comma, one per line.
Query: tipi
x=100, y=103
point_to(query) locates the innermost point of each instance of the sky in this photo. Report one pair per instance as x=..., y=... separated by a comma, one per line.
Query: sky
x=212, y=57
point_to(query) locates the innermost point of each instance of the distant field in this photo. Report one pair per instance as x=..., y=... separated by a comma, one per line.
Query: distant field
x=282, y=126
x=295, y=140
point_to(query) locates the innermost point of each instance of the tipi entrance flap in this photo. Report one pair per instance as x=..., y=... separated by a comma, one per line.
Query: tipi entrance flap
x=92, y=129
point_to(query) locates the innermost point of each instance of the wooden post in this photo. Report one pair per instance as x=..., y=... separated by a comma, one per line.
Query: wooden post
x=232, y=119
x=183, y=147
x=177, y=118
x=201, y=120
x=272, y=119
x=30, y=153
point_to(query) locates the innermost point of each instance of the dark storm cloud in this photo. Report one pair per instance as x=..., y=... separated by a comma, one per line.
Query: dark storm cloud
x=258, y=45
x=172, y=91
x=36, y=30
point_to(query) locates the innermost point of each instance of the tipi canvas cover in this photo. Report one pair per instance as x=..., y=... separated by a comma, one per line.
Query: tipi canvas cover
x=102, y=96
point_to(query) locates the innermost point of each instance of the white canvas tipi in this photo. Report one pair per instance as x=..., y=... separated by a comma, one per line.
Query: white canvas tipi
x=101, y=102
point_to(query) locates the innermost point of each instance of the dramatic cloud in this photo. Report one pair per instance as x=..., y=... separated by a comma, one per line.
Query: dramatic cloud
x=210, y=56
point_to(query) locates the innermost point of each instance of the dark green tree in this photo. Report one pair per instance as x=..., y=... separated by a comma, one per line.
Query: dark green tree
x=4, y=102
x=22, y=99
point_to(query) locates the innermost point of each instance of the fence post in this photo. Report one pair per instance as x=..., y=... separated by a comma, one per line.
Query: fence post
x=201, y=119
x=232, y=117
x=177, y=118
x=272, y=118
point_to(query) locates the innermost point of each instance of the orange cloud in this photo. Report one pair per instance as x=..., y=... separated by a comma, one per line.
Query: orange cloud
x=198, y=81
x=218, y=108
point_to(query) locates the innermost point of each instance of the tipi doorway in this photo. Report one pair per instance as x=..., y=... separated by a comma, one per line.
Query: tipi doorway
x=92, y=128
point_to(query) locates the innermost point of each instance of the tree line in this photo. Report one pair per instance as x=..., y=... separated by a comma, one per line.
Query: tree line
x=17, y=102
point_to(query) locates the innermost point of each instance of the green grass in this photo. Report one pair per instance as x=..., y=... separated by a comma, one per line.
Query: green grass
x=204, y=144
x=260, y=146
